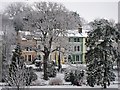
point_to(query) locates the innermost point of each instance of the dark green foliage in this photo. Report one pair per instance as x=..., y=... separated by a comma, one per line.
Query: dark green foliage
x=74, y=76
x=51, y=69
x=67, y=77
x=101, y=53
x=31, y=76
x=19, y=75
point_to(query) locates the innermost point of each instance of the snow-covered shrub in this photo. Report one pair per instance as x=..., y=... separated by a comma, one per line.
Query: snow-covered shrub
x=56, y=81
x=52, y=70
x=67, y=73
x=31, y=76
x=67, y=77
x=38, y=64
x=74, y=75
x=38, y=83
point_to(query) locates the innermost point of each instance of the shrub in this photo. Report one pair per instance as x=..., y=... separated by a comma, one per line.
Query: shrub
x=51, y=70
x=67, y=77
x=75, y=76
x=56, y=81
x=31, y=76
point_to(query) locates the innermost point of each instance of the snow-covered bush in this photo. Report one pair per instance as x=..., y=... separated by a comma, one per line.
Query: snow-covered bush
x=75, y=76
x=31, y=76
x=56, y=81
x=51, y=69
x=38, y=83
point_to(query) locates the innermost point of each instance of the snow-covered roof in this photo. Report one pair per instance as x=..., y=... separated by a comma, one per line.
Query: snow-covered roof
x=24, y=39
x=75, y=33
x=25, y=32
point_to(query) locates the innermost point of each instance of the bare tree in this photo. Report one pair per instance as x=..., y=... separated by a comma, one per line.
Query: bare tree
x=50, y=20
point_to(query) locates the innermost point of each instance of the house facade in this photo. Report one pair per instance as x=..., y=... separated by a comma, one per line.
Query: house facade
x=28, y=47
x=31, y=47
x=77, y=50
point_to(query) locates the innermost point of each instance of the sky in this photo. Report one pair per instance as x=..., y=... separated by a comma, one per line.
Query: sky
x=88, y=9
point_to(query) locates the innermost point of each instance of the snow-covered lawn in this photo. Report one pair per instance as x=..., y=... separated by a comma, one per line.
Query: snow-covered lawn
x=68, y=86
x=71, y=86
x=65, y=84
x=40, y=83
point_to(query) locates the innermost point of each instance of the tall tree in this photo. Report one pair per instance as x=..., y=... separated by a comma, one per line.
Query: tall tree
x=118, y=48
x=15, y=13
x=50, y=20
x=17, y=74
x=11, y=24
x=101, y=52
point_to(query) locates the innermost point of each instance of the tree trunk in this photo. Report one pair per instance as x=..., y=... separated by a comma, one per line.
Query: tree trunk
x=118, y=68
x=18, y=88
x=118, y=65
x=45, y=66
x=59, y=62
x=105, y=71
x=105, y=86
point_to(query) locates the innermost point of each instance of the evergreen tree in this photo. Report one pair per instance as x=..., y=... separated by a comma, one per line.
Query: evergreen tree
x=19, y=75
x=101, y=53
x=17, y=70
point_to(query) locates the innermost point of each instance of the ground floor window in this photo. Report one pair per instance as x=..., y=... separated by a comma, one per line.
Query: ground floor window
x=29, y=58
x=75, y=58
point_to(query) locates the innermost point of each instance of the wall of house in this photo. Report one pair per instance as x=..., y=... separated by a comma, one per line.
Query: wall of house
x=28, y=51
x=77, y=55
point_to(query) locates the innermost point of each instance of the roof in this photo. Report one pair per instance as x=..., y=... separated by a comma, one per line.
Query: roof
x=25, y=32
x=24, y=39
x=75, y=33
x=71, y=33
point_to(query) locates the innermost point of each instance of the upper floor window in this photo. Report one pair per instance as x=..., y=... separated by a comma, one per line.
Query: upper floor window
x=75, y=39
x=78, y=39
x=76, y=48
x=28, y=48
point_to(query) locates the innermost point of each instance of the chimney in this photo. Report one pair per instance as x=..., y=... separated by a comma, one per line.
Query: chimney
x=80, y=29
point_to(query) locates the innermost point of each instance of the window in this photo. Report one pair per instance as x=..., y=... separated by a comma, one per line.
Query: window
x=75, y=40
x=74, y=48
x=69, y=39
x=25, y=57
x=78, y=39
x=78, y=48
x=29, y=57
x=27, y=48
x=77, y=57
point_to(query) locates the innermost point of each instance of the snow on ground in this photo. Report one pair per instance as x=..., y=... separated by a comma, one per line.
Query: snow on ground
x=71, y=86
x=66, y=84
x=40, y=83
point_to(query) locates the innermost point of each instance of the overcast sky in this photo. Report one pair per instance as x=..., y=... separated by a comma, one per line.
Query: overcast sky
x=88, y=10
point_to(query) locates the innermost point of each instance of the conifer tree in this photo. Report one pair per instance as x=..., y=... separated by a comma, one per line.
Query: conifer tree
x=101, y=53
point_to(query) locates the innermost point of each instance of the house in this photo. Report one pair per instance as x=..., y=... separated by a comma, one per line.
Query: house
x=28, y=46
x=32, y=45
x=77, y=50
